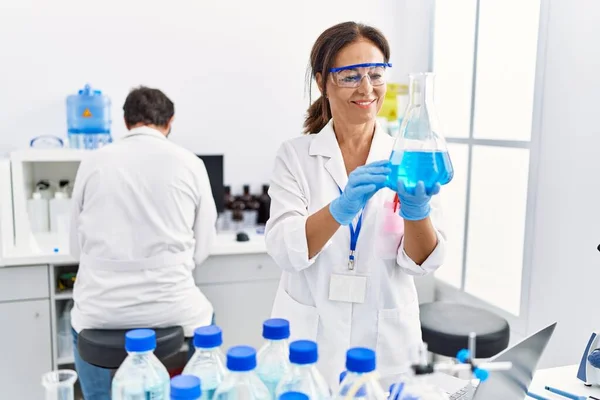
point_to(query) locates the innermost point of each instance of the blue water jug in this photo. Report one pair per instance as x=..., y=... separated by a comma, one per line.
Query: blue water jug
x=88, y=119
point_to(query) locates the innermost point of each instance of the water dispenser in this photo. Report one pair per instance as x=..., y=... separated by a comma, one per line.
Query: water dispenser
x=88, y=119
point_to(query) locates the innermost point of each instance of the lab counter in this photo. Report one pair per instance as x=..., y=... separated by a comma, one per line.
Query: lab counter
x=225, y=244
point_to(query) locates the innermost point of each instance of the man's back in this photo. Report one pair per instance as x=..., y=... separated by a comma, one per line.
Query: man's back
x=144, y=216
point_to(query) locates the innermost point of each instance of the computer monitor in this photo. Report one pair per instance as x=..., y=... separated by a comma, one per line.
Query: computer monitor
x=214, y=167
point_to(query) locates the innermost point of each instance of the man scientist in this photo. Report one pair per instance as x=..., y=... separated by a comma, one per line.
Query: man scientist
x=143, y=217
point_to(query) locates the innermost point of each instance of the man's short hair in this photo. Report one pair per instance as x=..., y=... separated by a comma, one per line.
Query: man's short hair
x=148, y=106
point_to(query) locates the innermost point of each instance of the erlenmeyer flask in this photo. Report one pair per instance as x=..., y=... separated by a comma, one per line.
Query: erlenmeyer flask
x=420, y=152
x=59, y=384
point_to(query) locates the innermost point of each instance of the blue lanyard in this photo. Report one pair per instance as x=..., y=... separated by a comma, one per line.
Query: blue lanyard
x=354, y=233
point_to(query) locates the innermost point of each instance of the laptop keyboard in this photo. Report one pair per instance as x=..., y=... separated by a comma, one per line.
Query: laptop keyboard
x=462, y=394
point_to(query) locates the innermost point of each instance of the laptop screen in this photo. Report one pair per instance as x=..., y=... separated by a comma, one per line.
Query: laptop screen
x=514, y=383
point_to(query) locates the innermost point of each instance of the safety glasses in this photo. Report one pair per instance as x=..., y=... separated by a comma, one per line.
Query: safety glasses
x=351, y=76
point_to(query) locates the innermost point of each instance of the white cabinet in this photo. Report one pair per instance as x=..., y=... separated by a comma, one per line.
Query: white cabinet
x=241, y=289
x=240, y=309
x=26, y=351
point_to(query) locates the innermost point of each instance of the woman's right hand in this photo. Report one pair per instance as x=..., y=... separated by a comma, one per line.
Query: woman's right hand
x=362, y=184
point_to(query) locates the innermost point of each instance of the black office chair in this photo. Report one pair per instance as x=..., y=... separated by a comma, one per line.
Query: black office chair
x=446, y=326
x=106, y=348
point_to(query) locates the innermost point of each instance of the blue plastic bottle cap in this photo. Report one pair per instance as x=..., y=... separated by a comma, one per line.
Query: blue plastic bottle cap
x=276, y=329
x=207, y=337
x=185, y=387
x=139, y=340
x=303, y=352
x=241, y=359
x=293, y=396
x=360, y=360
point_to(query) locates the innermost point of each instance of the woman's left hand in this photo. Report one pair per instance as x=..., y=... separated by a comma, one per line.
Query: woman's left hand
x=414, y=202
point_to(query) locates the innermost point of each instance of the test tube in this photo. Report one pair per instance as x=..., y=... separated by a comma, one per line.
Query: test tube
x=59, y=384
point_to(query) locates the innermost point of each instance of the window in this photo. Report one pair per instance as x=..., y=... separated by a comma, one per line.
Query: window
x=484, y=57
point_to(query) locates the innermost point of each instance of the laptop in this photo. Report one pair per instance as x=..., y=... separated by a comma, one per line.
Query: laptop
x=502, y=385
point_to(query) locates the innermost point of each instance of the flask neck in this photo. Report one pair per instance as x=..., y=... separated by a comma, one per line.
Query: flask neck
x=422, y=89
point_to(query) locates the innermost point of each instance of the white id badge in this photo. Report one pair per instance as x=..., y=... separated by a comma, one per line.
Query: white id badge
x=347, y=288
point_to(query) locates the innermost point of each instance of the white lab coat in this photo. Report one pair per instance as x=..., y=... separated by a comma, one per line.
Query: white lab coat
x=307, y=173
x=143, y=217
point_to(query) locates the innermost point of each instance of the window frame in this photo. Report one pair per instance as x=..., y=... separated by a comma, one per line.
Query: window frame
x=445, y=291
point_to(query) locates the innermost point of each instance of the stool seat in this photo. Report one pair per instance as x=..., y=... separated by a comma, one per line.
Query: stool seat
x=106, y=348
x=446, y=326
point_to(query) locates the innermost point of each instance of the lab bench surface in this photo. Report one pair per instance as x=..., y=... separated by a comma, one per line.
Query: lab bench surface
x=563, y=378
x=224, y=244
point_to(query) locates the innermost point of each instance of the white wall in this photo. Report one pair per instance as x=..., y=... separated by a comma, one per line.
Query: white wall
x=566, y=264
x=235, y=69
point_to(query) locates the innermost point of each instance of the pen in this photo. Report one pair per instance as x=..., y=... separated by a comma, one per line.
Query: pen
x=536, y=396
x=565, y=394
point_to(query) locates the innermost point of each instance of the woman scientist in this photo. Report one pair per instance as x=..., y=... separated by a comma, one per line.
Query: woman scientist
x=348, y=259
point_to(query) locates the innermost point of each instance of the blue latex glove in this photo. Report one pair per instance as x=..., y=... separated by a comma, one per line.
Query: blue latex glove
x=414, y=202
x=362, y=184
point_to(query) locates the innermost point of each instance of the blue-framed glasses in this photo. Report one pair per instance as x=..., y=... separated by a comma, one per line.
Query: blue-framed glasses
x=350, y=76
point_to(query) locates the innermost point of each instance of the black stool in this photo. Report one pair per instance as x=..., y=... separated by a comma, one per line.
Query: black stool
x=106, y=348
x=446, y=327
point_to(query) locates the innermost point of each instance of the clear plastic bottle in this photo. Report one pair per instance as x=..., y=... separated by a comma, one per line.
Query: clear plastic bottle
x=273, y=357
x=242, y=383
x=141, y=375
x=38, y=210
x=186, y=387
x=60, y=209
x=420, y=152
x=303, y=376
x=360, y=382
x=207, y=362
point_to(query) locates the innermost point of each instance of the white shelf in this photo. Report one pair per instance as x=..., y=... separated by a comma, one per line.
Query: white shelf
x=49, y=155
x=64, y=295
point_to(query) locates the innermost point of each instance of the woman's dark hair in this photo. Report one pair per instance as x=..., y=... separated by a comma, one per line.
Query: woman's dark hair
x=148, y=106
x=322, y=57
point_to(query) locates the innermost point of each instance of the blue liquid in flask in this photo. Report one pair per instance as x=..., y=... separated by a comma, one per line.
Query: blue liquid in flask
x=431, y=167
